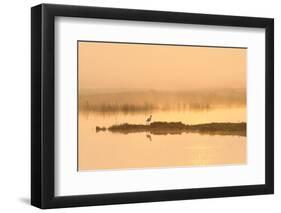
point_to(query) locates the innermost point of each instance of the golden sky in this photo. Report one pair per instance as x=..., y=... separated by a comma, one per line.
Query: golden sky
x=160, y=67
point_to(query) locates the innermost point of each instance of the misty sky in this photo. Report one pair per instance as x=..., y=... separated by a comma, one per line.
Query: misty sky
x=160, y=67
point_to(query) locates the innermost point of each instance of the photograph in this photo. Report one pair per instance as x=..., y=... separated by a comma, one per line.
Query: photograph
x=150, y=105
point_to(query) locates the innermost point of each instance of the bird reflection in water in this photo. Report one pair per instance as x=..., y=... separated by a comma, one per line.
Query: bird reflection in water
x=149, y=137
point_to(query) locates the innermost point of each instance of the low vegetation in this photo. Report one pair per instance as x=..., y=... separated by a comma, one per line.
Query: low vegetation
x=131, y=102
x=179, y=128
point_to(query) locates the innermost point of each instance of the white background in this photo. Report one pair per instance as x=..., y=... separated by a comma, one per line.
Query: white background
x=70, y=182
x=15, y=106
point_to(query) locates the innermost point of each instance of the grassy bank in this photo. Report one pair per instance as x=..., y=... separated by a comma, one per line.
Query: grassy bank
x=164, y=128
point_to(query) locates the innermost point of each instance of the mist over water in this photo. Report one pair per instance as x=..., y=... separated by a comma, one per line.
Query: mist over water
x=148, y=101
x=160, y=88
x=107, y=150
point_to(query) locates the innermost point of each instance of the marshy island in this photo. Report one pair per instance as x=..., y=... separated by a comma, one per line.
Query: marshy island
x=164, y=128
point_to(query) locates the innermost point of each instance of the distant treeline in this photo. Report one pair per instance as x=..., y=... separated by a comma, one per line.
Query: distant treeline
x=148, y=101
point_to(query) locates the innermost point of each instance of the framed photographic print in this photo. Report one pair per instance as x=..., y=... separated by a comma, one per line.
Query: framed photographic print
x=139, y=106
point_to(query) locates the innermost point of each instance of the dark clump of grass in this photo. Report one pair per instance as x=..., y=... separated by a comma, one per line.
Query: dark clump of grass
x=98, y=129
x=179, y=127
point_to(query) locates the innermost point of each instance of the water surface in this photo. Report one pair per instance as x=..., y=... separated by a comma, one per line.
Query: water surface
x=107, y=150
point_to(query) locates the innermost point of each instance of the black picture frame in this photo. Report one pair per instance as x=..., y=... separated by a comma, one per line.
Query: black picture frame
x=43, y=110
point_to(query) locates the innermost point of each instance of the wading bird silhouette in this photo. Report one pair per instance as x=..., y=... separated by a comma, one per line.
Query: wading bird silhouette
x=148, y=119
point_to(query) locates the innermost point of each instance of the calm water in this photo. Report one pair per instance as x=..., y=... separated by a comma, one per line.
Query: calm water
x=106, y=150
